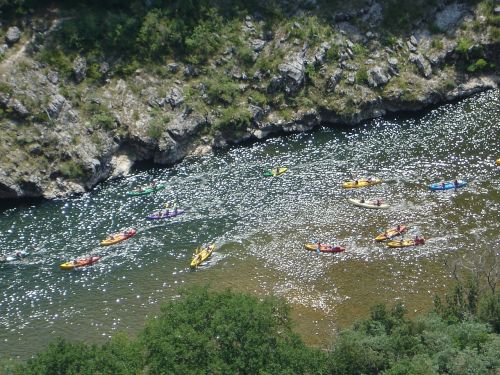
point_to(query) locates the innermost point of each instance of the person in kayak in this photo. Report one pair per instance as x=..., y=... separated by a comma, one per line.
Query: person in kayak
x=455, y=183
x=318, y=250
x=362, y=200
x=378, y=202
x=356, y=182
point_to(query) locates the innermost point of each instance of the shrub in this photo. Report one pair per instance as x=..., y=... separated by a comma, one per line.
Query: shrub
x=103, y=119
x=333, y=53
x=156, y=126
x=71, y=169
x=221, y=90
x=245, y=55
x=359, y=49
x=479, y=65
x=233, y=120
x=463, y=45
x=362, y=76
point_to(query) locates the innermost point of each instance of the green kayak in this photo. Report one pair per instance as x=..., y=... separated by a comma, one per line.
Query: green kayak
x=145, y=190
x=275, y=172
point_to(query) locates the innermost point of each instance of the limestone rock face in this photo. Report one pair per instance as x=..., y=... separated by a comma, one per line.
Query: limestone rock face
x=79, y=69
x=13, y=35
x=292, y=73
x=377, y=77
x=422, y=64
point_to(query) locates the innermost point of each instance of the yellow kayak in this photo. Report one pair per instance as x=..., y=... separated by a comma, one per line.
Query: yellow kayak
x=498, y=161
x=389, y=233
x=406, y=243
x=361, y=183
x=118, y=237
x=202, y=255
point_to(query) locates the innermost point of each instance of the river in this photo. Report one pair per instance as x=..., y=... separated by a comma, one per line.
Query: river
x=259, y=226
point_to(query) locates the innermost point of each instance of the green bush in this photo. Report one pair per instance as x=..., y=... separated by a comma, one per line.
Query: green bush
x=234, y=120
x=245, y=55
x=463, y=45
x=221, y=90
x=333, y=53
x=362, y=76
x=156, y=126
x=71, y=169
x=104, y=119
x=479, y=65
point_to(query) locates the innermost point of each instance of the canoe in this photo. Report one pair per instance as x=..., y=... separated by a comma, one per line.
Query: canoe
x=82, y=262
x=118, y=237
x=368, y=203
x=447, y=185
x=18, y=255
x=146, y=190
x=361, y=183
x=274, y=173
x=202, y=256
x=163, y=215
x=390, y=233
x=324, y=248
x=405, y=243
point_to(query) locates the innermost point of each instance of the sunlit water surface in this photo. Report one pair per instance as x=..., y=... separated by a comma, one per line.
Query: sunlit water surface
x=259, y=226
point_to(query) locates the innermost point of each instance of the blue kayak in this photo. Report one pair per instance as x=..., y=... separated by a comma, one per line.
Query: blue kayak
x=448, y=185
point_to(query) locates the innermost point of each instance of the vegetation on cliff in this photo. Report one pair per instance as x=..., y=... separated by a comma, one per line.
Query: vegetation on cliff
x=160, y=80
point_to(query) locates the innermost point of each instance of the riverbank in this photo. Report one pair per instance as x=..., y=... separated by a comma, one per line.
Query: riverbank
x=77, y=108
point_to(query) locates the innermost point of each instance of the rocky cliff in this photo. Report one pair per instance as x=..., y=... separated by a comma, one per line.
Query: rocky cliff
x=71, y=120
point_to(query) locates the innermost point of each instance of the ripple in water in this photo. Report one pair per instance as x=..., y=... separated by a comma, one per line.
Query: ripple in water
x=259, y=225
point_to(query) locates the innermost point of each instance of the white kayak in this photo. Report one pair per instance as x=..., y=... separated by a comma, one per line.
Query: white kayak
x=368, y=203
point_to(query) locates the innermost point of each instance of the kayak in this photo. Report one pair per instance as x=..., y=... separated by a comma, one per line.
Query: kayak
x=498, y=161
x=162, y=214
x=273, y=172
x=361, y=183
x=323, y=248
x=390, y=233
x=202, y=255
x=82, y=262
x=118, y=237
x=368, y=203
x=405, y=243
x=448, y=185
x=146, y=190
x=18, y=255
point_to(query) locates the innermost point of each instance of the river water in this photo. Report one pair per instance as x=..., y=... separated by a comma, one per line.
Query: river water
x=259, y=226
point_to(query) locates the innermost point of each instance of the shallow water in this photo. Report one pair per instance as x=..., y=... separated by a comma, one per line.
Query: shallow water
x=259, y=226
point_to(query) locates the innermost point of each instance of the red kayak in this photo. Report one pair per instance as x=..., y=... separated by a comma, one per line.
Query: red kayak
x=82, y=262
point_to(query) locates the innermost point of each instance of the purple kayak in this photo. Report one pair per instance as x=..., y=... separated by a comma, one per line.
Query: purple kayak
x=164, y=214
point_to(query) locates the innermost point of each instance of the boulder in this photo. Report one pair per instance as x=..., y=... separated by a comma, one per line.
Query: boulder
x=257, y=45
x=55, y=105
x=449, y=17
x=377, y=77
x=334, y=80
x=292, y=73
x=13, y=35
x=175, y=98
x=411, y=46
x=79, y=69
x=18, y=107
x=173, y=67
x=53, y=77
x=422, y=64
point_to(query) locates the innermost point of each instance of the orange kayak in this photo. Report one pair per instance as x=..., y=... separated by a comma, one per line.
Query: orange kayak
x=118, y=237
